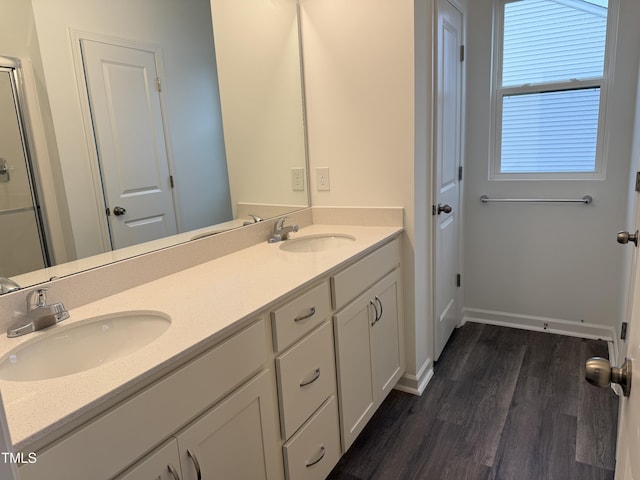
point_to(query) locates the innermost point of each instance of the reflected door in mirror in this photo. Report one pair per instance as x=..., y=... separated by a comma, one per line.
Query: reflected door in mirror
x=123, y=87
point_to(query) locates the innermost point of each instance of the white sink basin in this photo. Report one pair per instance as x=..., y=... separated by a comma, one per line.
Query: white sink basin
x=317, y=243
x=83, y=346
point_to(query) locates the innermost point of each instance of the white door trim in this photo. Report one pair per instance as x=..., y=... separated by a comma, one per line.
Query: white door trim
x=76, y=37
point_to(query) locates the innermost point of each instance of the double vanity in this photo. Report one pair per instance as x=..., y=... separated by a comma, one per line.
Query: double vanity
x=266, y=362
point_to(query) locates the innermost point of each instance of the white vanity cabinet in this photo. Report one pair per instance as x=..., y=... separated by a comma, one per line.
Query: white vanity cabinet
x=369, y=338
x=275, y=400
x=236, y=439
x=229, y=383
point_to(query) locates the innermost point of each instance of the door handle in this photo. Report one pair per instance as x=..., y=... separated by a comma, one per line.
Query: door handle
x=626, y=237
x=117, y=211
x=444, y=208
x=4, y=171
x=599, y=372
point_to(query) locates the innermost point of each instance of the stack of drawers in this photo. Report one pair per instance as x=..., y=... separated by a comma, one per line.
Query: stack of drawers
x=306, y=379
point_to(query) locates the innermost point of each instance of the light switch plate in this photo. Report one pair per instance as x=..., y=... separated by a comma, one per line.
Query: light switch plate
x=322, y=179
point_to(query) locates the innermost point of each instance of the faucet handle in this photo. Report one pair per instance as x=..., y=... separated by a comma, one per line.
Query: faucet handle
x=280, y=223
x=41, y=299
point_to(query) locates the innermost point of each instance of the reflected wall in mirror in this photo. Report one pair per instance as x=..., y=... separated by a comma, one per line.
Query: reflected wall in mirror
x=127, y=98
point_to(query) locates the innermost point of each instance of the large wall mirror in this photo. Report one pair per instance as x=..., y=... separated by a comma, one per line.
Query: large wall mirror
x=149, y=123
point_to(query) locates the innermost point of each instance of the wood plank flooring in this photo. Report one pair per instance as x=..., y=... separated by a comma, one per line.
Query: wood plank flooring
x=504, y=404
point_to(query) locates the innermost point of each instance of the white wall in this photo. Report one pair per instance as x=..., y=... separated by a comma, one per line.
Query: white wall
x=183, y=30
x=258, y=60
x=359, y=86
x=553, y=261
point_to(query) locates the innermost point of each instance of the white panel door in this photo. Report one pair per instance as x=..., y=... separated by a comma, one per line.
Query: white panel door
x=448, y=159
x=129, y=132
x=628, y=446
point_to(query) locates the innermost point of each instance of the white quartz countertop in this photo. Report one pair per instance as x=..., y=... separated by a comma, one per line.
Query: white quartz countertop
x=206, y=303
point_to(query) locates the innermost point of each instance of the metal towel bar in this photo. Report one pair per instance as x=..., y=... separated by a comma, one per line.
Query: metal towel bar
x=587, y=199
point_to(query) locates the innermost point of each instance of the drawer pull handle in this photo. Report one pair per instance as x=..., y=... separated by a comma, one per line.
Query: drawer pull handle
x=196, y=464
x=312, y=312
x=173, y=472
x=322, y=452
x=316, y=376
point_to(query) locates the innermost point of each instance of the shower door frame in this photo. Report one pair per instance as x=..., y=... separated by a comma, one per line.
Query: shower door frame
x=13, y=67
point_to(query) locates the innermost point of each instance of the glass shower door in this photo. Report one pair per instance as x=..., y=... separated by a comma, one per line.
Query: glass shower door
x=22, y=248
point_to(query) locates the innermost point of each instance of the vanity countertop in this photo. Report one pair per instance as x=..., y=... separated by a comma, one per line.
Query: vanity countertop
x=206, y=303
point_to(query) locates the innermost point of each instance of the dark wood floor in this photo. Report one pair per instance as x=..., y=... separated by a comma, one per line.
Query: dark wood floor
x=503, y=404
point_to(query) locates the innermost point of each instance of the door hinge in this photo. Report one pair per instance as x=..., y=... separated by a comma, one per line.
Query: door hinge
x=637, y=181
x=623, y=331
x=458, y=280
x=171, y=181
x=108, y=212
x=158, y=84
x=460, y=173
x=462, y=53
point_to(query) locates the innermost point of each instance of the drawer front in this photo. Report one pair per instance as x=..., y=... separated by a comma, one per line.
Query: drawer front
x=154, y=413
x=315, y=449
x=354, y=280
x=294, y=319
x=306, y=377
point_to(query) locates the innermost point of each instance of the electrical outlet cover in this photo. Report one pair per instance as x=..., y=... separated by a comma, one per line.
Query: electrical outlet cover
x=322, y=179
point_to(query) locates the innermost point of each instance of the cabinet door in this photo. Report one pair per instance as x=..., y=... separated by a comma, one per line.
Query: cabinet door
x=235, y=440
x=386, y=334
x=163, y=464
x=356, y=390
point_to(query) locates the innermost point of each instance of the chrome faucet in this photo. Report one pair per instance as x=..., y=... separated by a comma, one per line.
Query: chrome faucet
x=39, y=315
x=280, y=232
x=255, y=219
x=7, y=285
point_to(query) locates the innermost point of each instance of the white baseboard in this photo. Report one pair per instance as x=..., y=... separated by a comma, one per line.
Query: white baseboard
x=542, y=324
x=416, y=384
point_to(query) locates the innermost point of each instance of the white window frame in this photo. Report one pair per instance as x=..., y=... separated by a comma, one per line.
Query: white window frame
x=498, y=93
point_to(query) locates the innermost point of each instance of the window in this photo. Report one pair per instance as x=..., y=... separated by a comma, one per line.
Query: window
x=549, y=88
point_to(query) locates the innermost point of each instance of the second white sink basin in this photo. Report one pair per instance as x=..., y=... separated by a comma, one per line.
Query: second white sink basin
x=80, y=347
x=317, y=243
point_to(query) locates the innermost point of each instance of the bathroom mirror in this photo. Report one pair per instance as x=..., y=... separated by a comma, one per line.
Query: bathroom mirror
x=230, y=119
